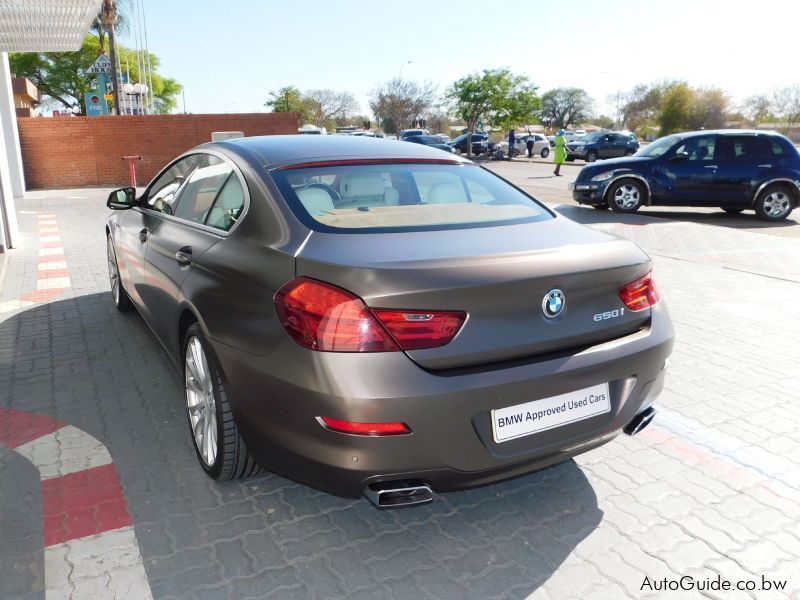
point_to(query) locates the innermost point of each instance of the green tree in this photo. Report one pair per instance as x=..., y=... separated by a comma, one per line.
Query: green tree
x=709, y=109
x=497, y=96
x=290, y=99
x=62, y=76
x=758, y=108
x=642, y=104
x=676, y=109
x=565, y=106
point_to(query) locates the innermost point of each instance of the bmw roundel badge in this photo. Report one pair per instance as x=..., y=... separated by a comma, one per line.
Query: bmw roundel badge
x=553, y=303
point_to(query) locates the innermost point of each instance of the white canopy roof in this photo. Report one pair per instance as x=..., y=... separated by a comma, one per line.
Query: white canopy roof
x=45, y=25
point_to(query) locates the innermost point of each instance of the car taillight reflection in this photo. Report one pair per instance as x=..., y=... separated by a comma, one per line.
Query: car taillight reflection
x=323, y=317
x=640, y=294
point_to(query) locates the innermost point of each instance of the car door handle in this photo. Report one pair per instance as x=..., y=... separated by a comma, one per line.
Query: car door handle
x=143, y=235
x=710, y=166
x=184, y=255
x=765, y=166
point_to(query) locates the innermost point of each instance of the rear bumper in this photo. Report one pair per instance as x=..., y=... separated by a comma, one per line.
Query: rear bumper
x=277, y=398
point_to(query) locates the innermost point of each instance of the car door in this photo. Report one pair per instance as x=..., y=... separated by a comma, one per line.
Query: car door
x=741, y=160
x=604, y=146
x=690, y=170
x=176, y=241
x=132, y=235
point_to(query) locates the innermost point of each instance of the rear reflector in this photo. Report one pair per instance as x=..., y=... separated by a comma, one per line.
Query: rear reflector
x=374, y=429
x=417, y=329
x=322, y=317
x=640, y=294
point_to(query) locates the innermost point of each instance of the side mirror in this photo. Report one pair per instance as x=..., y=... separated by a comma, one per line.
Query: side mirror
x=122, y=198
x=679, y=157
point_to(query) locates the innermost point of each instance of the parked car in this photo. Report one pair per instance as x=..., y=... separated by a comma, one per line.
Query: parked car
x=602, y=144
x=480, y=143
x=404, y=133
x=348, y=315
x=734, y=169
x=540, y=145
x=429, y=140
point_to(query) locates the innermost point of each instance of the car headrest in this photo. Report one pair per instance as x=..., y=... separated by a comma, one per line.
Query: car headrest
x=362, y=185
x=446, y=192
x=315, y=200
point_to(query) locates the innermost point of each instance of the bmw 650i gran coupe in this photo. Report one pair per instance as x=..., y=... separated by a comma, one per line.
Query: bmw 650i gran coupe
x=380, y=318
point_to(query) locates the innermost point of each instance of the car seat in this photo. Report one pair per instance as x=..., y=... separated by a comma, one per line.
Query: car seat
x=315, y=200
x=446, y=192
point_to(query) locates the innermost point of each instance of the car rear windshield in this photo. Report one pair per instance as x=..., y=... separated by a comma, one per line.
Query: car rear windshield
x=394, y=197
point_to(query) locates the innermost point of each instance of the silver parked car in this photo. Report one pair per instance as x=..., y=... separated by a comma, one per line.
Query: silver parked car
x=369, y=317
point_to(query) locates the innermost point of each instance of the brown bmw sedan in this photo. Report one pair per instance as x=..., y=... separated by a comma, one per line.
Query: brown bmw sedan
x=381, y=318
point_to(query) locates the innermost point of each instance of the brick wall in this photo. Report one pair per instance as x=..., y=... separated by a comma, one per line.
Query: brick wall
x=87, y=151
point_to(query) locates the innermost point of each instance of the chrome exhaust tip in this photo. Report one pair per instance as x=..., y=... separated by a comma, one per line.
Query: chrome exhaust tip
x=640, y=421
x=397, y=494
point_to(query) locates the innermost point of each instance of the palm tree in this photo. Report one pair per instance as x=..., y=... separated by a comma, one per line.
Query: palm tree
x=106, y=22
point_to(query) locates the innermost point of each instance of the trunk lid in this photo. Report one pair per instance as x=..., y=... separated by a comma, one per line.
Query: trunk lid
x=499, y=276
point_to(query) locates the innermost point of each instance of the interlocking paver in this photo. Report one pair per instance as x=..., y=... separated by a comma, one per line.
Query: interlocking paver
x=712, y=487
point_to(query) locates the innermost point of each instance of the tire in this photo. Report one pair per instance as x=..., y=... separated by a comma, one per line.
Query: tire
x=774, y=203
x=732, y=211
x=545, y=152
x=118, y=294
x=630, y=152
x=591, y=156
x=601, y=206
x=626, y=195
x=217, y=442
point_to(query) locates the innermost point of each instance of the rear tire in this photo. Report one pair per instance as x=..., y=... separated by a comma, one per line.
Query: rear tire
x=626, y=195
x=774, y=203
x=630, y=152
x=217, y=442
x=591, y=156
x=545, y=152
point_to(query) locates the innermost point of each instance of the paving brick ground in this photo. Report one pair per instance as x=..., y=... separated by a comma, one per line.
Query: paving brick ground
x=711, y=488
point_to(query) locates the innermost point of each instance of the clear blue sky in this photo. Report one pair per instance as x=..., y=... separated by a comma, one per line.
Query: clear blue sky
x=229, y=55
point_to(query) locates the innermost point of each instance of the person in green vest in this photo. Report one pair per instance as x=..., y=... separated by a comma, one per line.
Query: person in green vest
x=560, y=155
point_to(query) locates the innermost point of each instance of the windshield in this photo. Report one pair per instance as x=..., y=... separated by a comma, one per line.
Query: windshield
x=402, y=197
x=659, y=147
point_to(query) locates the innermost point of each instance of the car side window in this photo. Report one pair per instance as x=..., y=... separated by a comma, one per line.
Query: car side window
x=698, y=148
x=162, y=194
x=228, y=206
x=201, y=189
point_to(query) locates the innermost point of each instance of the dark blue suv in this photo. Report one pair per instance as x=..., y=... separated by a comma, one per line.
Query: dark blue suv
x=734, y=169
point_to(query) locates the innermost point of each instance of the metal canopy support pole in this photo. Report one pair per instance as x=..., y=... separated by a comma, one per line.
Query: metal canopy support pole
x=10, y=161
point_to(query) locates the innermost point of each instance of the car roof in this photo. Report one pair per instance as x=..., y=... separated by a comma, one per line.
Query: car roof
x=728, y=132
x=283, y=150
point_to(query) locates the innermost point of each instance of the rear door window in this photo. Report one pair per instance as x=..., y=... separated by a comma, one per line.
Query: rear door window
x=198, y=195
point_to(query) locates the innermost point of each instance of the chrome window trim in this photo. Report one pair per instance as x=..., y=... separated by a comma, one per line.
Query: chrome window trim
x=207, y=228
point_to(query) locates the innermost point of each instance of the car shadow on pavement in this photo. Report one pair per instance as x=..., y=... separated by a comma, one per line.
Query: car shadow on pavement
x=80, y=361
x=644, y=216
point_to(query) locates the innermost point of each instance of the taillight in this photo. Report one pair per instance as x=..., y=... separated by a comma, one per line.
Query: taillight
x=640, y=294
x=417, y=329
x=323, y=317
x=373, y=429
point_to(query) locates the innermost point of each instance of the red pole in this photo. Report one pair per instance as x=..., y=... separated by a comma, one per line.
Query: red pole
x=132, y=162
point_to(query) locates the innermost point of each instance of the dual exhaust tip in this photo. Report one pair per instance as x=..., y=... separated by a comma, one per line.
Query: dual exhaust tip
x=412, y=492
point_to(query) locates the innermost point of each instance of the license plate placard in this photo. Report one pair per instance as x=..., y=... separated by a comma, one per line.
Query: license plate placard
x=539, y=415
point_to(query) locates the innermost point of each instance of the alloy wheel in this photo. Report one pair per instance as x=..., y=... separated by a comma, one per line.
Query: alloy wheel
x=113, y=272
x=627, y=196
x=200, y=401
x=777, y=204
